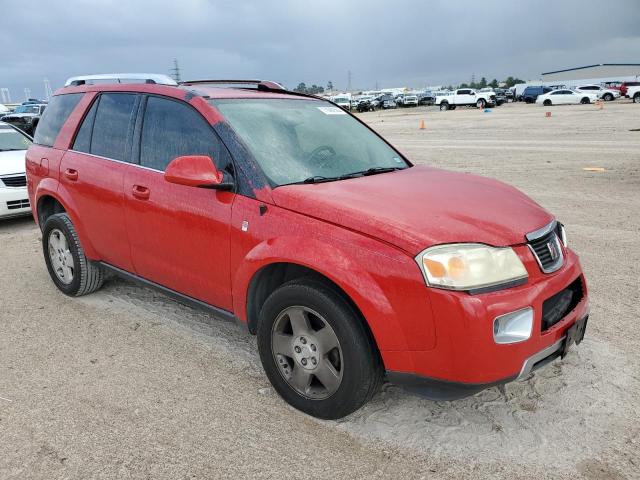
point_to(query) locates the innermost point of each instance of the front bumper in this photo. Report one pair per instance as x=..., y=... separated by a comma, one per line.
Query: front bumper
x=439, y=390
x=465, y=352
x=14, y=202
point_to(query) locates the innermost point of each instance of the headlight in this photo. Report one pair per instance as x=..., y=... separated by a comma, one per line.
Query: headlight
x=470, y=266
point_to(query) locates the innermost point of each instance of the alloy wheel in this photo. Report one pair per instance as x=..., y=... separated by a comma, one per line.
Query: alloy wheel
x=307, y=352
x=61, y=257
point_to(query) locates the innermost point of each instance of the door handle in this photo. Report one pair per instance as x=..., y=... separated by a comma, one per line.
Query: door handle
x=141, y=192
x=71, y=174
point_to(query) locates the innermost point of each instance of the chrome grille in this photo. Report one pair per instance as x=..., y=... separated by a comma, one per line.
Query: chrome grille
x=546, y=247
x=14, y=180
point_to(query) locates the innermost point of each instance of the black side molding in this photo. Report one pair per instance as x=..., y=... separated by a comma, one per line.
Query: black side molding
x=184, y=299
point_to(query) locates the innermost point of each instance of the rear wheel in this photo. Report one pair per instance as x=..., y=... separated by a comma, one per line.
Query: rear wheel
x=636, y=98
x=584, y=101
x=444, y=106
x=607, y=97
x=481, y=103
x=547, y=103
x=316, y=351
x=69, y=268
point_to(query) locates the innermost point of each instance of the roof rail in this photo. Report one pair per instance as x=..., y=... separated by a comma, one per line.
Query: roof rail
x=265, y=85
x=121, y=78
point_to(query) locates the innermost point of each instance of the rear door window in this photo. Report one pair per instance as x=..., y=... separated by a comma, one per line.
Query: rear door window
x=113, y=125
x=82, y=142
x=54, y=117
x=171, y=129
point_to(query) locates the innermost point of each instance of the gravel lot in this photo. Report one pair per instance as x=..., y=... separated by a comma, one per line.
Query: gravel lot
x=127, y=384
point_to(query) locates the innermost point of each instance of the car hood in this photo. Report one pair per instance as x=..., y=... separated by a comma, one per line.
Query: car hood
x=12, y=162
x=419, y=207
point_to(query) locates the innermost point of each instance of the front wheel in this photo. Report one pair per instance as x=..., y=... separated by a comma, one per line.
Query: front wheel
x=547, y=103
x=444, y=106
x=69, y=268
x=584, y=101
x=316, y=351
x=636, y=98
x=481, y=103
x=607, y=97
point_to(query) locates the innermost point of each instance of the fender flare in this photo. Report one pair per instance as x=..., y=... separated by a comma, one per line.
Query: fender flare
x=52, y=188
x=337, y=265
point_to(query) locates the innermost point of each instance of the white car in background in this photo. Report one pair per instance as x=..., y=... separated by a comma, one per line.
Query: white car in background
x=565, y=96
x=606, y=94
x=14, y=200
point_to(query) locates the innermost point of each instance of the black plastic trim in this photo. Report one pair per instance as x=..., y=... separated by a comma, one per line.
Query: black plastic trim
x=440, y=390
x=190, y=301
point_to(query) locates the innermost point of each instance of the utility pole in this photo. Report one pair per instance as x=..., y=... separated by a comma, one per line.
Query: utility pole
x=348, y=80
x=47, y=90
x=6, y=96
x=27, y=94
x=175, y=71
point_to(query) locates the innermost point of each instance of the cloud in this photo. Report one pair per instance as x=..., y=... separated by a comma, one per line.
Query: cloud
x=407, y=42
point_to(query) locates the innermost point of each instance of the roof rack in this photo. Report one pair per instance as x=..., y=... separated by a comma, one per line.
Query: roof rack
x=153, y=78
x=265, y=85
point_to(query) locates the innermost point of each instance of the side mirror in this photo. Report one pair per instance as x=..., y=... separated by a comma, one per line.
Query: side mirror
x=196, y=171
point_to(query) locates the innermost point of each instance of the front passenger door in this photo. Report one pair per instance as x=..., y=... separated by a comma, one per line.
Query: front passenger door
x=179, y=235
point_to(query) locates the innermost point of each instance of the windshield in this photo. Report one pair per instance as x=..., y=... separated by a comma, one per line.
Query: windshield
x=297, y=140
x=10, y=139
x=26, y=109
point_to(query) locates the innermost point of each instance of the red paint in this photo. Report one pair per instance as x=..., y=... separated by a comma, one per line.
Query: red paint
x=362, y=234
x=193, y=171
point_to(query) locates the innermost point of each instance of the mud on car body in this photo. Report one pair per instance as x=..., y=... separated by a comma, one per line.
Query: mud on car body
x=290, y=215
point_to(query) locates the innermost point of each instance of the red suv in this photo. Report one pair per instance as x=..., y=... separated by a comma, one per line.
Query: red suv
x=292, y=216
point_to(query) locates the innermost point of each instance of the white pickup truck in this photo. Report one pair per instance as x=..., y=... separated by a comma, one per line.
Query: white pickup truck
x=466, y=97
x=634, y=93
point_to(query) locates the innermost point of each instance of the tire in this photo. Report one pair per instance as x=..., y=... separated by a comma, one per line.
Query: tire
x=547, y=103
x=353, y=366
x=585, y=101
x=636, y=98
x=444, y=106
x=607, y=97
x=69, y=268
x=481, y=103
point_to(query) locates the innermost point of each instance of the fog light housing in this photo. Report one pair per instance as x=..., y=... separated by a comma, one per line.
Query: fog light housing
x=513, y=327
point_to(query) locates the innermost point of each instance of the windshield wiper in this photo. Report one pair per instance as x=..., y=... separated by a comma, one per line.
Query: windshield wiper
x=371, y=171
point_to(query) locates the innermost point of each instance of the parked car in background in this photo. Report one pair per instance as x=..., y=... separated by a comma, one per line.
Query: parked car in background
x=633, y=92
x=409, y=101
x=566, y=97
x=498, y=93
x=606, y=94
x=384, y=102
x=364, y=106
x=518, y=91
x=287, y=214
x=25, y=117
x=626, y=85
x=508, y=94
x=426, y=98
x=531, y=93
x=343, y=102
x=14, y=199
x=466, y=97
x=4, y=110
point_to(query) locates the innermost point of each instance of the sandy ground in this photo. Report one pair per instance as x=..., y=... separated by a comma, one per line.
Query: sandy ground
x=127, y=384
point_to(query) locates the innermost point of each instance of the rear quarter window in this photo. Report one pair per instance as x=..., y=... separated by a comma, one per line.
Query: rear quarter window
x=54, y=117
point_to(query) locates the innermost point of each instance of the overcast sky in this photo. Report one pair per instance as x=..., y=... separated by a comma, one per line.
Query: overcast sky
x=391, y=43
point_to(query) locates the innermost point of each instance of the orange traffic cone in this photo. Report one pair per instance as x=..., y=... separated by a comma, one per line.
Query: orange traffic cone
x=422, y=125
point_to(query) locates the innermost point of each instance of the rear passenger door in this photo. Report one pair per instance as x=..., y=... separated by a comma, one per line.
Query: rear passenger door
x=93, y=171
x=179, y=235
